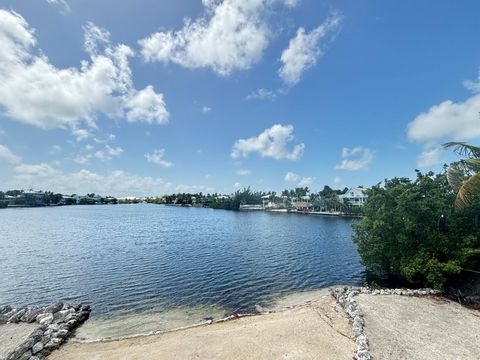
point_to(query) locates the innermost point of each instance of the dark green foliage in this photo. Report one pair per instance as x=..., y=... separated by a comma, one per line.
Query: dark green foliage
x=410, y=230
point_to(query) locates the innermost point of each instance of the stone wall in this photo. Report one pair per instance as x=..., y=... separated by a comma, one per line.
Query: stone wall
x=55, y=324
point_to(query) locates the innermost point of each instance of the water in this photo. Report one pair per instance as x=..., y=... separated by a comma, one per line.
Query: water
x=150, y=267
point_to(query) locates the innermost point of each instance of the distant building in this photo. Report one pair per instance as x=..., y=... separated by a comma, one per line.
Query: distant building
x=302, y=203
x=355, y=196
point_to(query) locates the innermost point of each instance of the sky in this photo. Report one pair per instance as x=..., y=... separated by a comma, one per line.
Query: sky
x=150, y=97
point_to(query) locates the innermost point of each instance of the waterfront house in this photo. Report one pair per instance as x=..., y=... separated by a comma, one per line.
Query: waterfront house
x=355, y=196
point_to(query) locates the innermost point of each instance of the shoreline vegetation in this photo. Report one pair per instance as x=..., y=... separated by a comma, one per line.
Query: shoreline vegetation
x=300, y=200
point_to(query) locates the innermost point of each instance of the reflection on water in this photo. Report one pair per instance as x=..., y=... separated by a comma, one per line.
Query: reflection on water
x=168, y=265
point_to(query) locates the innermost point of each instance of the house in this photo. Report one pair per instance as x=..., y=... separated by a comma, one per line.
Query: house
x=302, y=203
x=355, y=196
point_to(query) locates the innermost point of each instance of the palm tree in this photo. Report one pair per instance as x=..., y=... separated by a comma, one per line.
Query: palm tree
x=464, y=175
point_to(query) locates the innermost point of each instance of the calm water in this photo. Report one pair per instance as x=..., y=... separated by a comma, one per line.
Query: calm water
x=182, y=262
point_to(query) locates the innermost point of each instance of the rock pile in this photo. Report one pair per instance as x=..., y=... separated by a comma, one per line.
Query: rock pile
x=56, y=323
x=345, y=297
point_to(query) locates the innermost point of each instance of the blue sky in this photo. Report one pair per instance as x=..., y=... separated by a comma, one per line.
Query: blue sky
x=128, y=97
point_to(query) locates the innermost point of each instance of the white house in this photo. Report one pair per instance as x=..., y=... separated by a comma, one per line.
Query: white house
x=355, y=196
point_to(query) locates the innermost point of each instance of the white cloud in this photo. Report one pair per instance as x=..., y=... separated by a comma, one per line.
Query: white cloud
x=32, y=171
x=148, y=106
x=157, y=157
x=8, y=155
x=306, y=181
x=108, y=153
x=262, y=94
x=272, y=143
x=291, y=177
x=206, y=109
x=65, y=7
x=305, y=49
x=355, y=159
x=104, y=154
x=243, y=172
x=237, y=185
x=299, y=180
x=34, y=91
x=429, y=157
x=337, y=180
x=231, y=35
x=473, y=86
x=81, y=134
x=116, y=183
x=448, y=121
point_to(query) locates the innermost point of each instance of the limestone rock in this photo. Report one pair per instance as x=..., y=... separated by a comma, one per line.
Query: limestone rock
x=55, y=307
x=37, y=347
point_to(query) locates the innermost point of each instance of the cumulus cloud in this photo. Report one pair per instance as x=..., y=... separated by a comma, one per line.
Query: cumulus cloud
x=355, y=159
x=447, y=121
x=272, y=143
x=337, y=180
x=34, y=91
x=157, y=157
x=8, y=155
x=305, y=49
x=231, y=35
x=206, y=109
x=146, y=105
x=116, y=183
x=262, y=94
x=291, y=177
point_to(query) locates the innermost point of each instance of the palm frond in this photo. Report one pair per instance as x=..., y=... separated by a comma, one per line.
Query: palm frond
x=455, y=176
x=468, y=191
x=473, y=164
x=463, y=149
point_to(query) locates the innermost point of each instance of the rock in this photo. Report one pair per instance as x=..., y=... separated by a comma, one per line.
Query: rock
x=54, y=308
x=3, y=319
x=53, y=344
x=17, y=352
x=15, y=318
x=37, y=333
x=53, y=327
x=45, y=318
x=63, y=333
x=37, y=347
x=31, y=314
x=26, y=355
x=28, y=343
x=34, y=358
x=5, y=309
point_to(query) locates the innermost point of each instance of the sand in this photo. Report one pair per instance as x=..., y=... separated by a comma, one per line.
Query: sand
x=318, y=330
x=12, y=335
x=400, y=327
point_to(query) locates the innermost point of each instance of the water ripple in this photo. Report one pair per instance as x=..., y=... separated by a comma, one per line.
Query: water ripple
x=129, y=259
